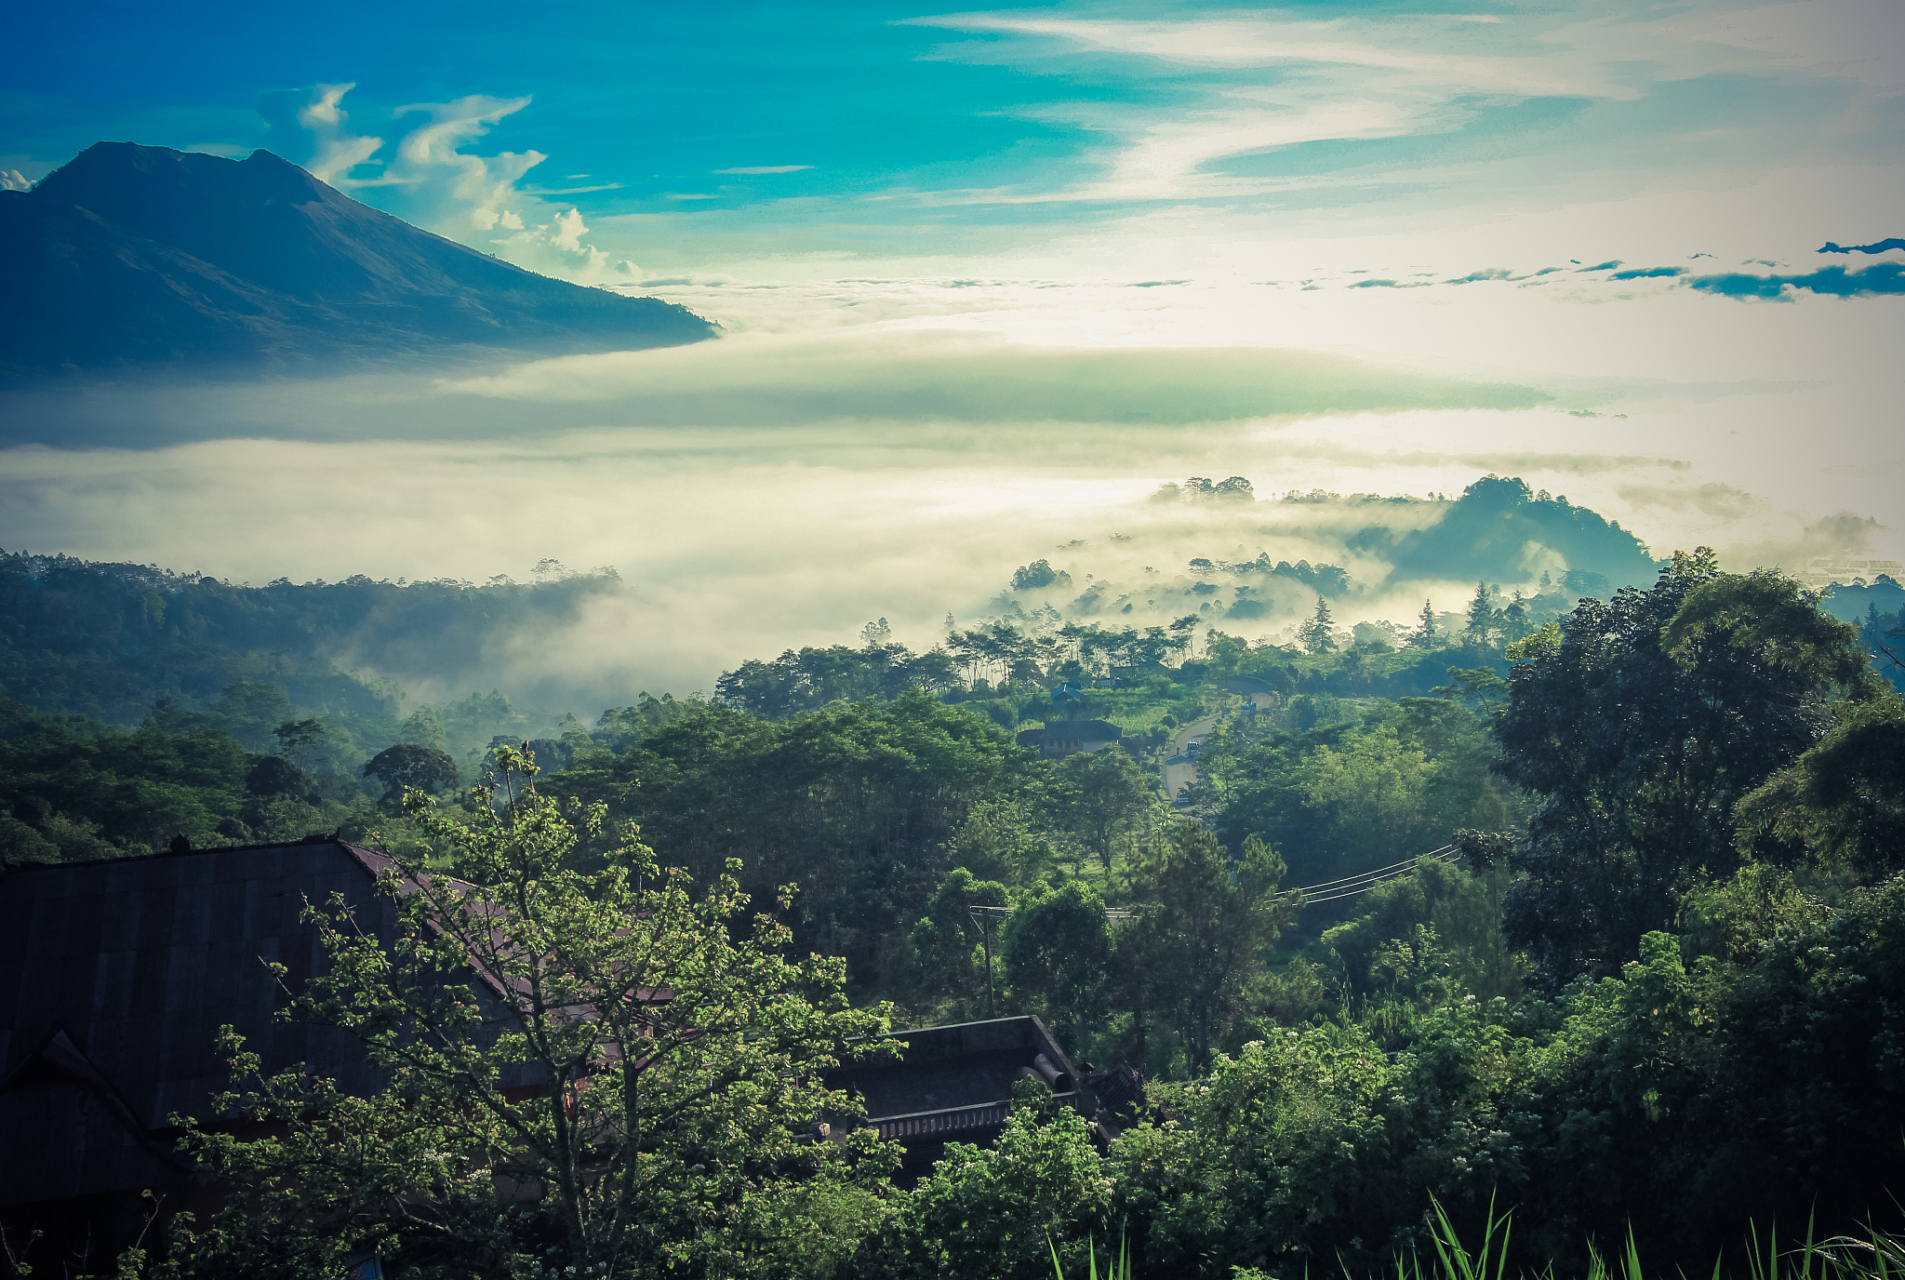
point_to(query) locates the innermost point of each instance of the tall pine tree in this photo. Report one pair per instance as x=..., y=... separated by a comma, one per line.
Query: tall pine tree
x=1318, y=635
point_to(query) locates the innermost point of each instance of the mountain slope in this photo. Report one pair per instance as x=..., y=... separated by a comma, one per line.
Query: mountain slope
x=129, y=255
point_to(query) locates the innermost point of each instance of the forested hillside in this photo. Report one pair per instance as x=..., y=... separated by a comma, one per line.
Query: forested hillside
x=1593, y=912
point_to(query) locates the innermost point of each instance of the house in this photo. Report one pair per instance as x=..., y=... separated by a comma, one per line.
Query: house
x=115, y=977
x=954, y=1084
x=1065, y=737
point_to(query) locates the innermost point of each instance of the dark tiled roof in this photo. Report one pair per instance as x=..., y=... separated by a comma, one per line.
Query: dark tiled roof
x=952, y=1078
x=1070, y=735
x=137, y=962
x=68, y=1131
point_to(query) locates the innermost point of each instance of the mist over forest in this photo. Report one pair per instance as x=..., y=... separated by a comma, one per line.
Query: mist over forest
x=459, y=664
x=109, y=640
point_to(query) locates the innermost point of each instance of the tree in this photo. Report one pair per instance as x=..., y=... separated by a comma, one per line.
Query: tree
x=1513, y=620
x=1640, y=728
x=1317, y=635
x=1057, y=956
x=945, y=941
x=1183, y=635
x=641, y=1056
x=875, y=634
x=277, y=776
x=999, y=1211
x=1107, y=791
x=1423, y=637
x=1480, y=616
x=1204, y=929
x=300, y=741
x=1374, y=788
x=1842, y=803
x=408, y=765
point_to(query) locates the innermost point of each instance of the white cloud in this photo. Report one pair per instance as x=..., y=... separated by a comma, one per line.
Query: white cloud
x=14, y=180
x=336, y=151
x=435, y=181
x=1271, y=80
x=1293, y=82
x=767, y=168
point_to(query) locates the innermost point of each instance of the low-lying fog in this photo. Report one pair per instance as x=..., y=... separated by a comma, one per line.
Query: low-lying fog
x=896, y=448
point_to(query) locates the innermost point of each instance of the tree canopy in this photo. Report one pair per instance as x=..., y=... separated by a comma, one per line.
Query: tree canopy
x=1640, y=724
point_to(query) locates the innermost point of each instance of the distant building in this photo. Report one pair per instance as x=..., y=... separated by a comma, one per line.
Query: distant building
x=1065, y=737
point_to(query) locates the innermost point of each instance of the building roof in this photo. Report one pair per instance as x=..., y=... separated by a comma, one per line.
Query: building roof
x=115, y=977
x=1070, y=735
x=955, y=1082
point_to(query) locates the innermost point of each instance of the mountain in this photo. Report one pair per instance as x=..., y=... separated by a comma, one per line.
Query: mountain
x=131, y=255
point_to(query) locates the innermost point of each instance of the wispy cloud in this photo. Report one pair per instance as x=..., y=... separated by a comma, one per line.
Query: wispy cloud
x=766, y=168
x=1243, y=85
x=335, y=150
x=1289, y=81
x=437, y=181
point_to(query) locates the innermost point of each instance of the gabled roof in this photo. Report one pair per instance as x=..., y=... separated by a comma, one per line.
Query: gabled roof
x=130, y=966
x=79, y=1132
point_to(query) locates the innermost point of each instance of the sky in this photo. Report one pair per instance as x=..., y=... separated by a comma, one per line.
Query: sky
x=987, y=278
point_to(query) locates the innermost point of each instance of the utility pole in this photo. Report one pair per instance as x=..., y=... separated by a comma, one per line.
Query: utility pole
x=985, y=918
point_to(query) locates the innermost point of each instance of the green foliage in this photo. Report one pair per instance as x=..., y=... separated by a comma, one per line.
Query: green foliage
x=948, y=973
x=109, y=640
x=333, y=1176
x=1103, y=794
x=1115, y=1269
x=1741, y=1072
x=1640, y=731
x=999, y=1212
x=620, y=728
x=1318, y=634
x=1360, y=793
x=1057, y=960
x=1718, y=1040
x=646, y=1058
x=1206, y=926
x=857, y=802
x=1441, y=925
x=78, y=790
x=1842, y=802
x=1268, y=1137
x=1489, y=529
x=408, y=766
x=1733, y=1075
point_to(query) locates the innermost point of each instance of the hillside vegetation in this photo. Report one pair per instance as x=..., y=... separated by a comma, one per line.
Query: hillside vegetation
x=1604, y=918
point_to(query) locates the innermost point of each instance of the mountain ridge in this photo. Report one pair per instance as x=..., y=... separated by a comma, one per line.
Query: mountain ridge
x=131, y=255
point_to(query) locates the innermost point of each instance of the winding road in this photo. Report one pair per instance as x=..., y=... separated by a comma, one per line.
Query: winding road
x=1179, y=769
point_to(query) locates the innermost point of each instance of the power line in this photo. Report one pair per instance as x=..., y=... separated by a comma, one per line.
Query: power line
x=1406, y=862
x=1356, y=885
x=1370, y=880
x=1331, y=890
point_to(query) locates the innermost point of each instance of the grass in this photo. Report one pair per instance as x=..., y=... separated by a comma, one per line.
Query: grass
x=1120, y=1269
x=1876, y=1257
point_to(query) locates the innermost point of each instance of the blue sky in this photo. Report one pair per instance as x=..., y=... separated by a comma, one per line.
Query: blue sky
x=1615, y=206
x=886, y=133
